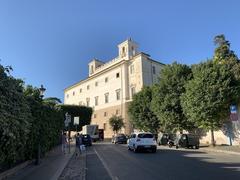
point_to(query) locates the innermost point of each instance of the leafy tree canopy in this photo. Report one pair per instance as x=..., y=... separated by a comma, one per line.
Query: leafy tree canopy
x=166, y=103
x=140, y=112
x=116, y=122
x=209, y=94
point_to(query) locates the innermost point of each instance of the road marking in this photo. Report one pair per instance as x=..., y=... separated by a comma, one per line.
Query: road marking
x=105, y=166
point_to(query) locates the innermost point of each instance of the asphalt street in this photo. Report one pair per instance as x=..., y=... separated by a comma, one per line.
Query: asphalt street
x=109, y=161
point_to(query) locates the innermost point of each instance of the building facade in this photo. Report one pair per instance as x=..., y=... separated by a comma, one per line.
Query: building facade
x=110, y=86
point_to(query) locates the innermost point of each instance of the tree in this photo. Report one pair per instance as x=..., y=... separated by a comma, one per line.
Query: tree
x=116, y=122
x=166, y=103
x=209, y=94
x=14, y=119
x=222, y=53
x=140, y=112
x=46, y=122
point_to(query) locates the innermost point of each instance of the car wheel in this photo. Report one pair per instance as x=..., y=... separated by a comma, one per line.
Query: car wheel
x=197, y=147
x=154, y=150
x=176, y=146
x=135, y=149
x=129, y=148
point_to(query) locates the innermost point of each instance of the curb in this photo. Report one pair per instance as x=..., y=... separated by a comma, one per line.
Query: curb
x=84, y=166
x=209, y=150
x=221, y=151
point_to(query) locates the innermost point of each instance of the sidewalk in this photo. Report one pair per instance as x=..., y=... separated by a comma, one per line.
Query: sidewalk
x=222, y=149
x=50, y=168
x=76, y=168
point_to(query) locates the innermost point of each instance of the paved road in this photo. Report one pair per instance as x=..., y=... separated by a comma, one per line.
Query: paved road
x=108, y=161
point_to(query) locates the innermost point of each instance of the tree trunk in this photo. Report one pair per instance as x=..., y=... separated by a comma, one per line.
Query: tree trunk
x=212, y=137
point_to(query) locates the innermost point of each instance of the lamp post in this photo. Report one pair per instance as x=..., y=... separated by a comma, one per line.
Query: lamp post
x=41, y=90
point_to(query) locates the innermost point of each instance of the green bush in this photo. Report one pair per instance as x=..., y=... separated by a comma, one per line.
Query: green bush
x=26, y=120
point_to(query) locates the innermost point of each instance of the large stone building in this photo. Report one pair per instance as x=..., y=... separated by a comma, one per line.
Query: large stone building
x=110, y=86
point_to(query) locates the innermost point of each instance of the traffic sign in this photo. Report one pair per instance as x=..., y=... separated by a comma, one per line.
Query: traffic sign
x=233, y=109
x=76, y=121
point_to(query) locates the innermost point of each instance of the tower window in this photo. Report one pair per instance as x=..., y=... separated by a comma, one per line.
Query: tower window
x=132, y=69
x=154, y=70
x=96, y=100
x=73, y=93
x=118, y=94
x=91, y=69
x=105, y=114
x=133, y=91
x=117, y=111
x=106, y=79
x=106, y=97
x=123, y=51
x=88, y=87
x=117, y=75
x=88, y=101
x=96, y=83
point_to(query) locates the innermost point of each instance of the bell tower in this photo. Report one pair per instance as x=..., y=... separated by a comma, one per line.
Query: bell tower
x=127, y=49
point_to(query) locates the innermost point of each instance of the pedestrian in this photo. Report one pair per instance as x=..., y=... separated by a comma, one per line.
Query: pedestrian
x=64, y=143
x=78, y=144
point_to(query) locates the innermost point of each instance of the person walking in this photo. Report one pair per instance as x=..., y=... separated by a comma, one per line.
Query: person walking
x=64, y=143
x=78, y=144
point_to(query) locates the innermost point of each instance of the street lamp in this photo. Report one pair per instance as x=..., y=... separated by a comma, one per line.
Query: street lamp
x=41, y=90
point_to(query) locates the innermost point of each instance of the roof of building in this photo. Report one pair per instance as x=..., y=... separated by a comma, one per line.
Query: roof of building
x=104, y=70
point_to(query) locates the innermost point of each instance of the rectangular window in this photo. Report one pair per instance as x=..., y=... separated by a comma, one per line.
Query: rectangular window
x=91, y=69
x=154, y=70
x=117, y=75
x=105, y=114
x=118, y=94
x=88, y=101
x=106, y=80
x=117, y=111
x=133, y=91
x=104, y=126
x=67, y=95
x=80, y=90
x=96, y=100
x=132, y=69
x=73, y=93
x=88, y=87
x=106, y=97
x=95, y=115
x=96, y=83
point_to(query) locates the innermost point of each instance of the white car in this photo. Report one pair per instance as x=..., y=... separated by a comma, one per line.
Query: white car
x=143, y=140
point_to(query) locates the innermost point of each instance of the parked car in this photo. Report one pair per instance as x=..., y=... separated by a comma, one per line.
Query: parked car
x=119, y=139
x=166, y=139
x=86, y=140
x=187, y=141
x=142, y=141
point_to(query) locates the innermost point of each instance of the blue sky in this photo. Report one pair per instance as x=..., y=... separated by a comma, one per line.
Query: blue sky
x=50, y=42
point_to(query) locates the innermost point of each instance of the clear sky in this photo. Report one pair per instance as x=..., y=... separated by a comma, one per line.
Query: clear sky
x=50, y=42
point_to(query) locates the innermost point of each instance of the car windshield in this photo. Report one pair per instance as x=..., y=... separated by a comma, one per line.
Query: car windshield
x=145, y=136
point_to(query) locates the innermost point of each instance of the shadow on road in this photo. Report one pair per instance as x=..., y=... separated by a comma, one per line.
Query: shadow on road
x=167, y=164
